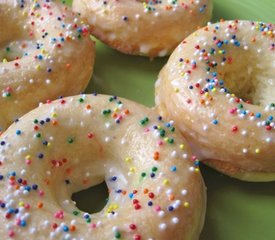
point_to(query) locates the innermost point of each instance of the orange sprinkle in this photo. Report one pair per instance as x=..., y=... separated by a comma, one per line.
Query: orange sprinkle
x=145, y=191
x=171, y=197
x=72, y=228
x=85, y=181
x=156, y=156
x=54, y=122
x=126, y=111
x=47, y=181
x=69, y=171
x=88, y=106
x=40, y=205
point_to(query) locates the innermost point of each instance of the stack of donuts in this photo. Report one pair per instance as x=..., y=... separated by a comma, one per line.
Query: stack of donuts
x=56, y=140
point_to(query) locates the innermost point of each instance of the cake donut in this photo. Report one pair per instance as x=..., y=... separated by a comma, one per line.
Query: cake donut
x=218, y=86
x=155, y=187
x=141, y=27
x=45, y=52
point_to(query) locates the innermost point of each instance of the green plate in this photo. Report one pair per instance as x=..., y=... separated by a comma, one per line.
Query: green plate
x=236, y=210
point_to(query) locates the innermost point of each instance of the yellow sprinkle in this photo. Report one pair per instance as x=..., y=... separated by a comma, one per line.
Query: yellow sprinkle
x=232, y=95
x=177, y=90
x=182, y=146
x=186, y=204
x=54, y=115
x=128, y=159
x=165, y=182
x=37, y=67
x=132, y=169
x=5, y=60
x=21, y=204
x=111, y=208
x=116, y=109
x=213, y=90
x=166, y=139
x=28, y=157
x=257, y=150
x=197, y=170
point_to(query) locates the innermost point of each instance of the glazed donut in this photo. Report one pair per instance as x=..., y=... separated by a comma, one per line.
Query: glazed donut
x=45, y=52
x=155, y=187
x=141, y=27
x=218, y=87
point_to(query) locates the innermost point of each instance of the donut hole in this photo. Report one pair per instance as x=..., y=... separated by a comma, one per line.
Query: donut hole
x=93, y=199
x=15, y=50
x=247, y=75
x=14, y=40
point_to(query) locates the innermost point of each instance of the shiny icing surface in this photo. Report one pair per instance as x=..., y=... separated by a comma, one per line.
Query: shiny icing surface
x=155, y=187
x=218, y=87
x=44, y=47
x=150, y=28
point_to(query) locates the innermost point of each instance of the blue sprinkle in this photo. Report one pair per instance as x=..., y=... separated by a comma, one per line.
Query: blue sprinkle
x=170, y=208
x=173, y=168
x=65, y=228
x=18, y=132
x=23, y=223
x=114, y=178
x=215, y=121
x=258, y=115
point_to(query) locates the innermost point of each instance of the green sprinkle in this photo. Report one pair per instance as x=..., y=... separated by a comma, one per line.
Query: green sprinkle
x=38, y=135
x=154, y=169
x=162, y=132
x=106, y=111
x=7, y=94
x=81, y=100
x=240, y=106
x=171, y=140
x=117, y=235
x=76, y=213
x=144, y=121
x=70, y=140
x=143, y=174
x=35, y=121
x=88, y=220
